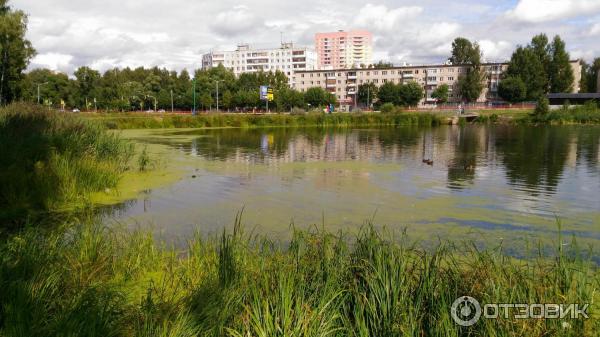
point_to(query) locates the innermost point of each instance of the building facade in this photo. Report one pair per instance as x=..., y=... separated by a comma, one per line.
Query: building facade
x=287, y=58
x=344, y=82
x=339, y=50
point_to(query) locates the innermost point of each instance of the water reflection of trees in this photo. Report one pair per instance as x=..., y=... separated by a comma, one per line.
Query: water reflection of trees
x=534, y=157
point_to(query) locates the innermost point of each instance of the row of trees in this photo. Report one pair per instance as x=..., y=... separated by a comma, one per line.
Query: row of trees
x=139, y=89
x=537, y=69
x=408, y=94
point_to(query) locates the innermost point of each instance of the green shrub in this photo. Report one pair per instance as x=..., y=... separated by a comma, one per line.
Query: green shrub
x=49, y=159
x=388, y=108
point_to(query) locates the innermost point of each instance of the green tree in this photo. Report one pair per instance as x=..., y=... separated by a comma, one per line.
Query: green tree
x=560, y=73
x=87, y=83
x=440, y=94
x=389, y=93
x=316, y=96
x=15, y=52
x=541, y=49
x=525, y=65
x=589, y=76
x=411, y=94
x=367, y=93
x=512, y=89
x=542, y=107
x=471, y=85
x=206, y=100
x=227, y=99
x=465, y=52
x=286, y=99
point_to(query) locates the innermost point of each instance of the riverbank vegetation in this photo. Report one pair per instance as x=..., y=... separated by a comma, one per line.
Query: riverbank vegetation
x=137, y=121
x=49, y=160
x=88, y=280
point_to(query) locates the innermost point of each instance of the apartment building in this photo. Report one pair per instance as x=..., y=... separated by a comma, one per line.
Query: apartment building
x=344, y=82
x=245, y=59
x=339, y=50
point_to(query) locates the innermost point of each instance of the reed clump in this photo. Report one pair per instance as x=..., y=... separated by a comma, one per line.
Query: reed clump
x=50, y=159
x=84, y=279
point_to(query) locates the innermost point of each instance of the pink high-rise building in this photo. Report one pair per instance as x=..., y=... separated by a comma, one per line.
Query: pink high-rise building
x=342, y=49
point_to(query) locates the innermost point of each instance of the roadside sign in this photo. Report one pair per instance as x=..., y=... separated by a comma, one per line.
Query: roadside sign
x=266, y=93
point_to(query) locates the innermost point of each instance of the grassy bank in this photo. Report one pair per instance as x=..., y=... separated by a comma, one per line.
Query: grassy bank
x=136, y=121
x=88, y=280
x=49, y=160
x=583, y=114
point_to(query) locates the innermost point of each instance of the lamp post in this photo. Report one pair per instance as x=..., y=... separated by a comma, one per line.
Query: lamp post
x=155, y=102
x=217, y=81
x=194, y=96
x=38, y=90
x=172, y=106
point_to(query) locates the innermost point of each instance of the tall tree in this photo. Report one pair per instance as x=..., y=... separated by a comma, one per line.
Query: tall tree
x=560, y=73
x=465, y=52
x=411, y=93
x=512, y=89
x=367, y=93
x=471, y=84
x=15, y=52
x=440, y=94
x=389, y=93
x=525, y=65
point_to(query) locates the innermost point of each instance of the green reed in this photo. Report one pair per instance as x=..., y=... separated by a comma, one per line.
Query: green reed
x=84, y=279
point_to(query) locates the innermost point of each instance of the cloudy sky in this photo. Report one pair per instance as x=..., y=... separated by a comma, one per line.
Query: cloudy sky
x=174, y=33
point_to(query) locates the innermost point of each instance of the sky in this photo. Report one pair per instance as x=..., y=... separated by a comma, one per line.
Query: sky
x=104, y=34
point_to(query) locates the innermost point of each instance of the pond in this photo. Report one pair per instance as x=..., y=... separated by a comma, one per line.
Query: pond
x=488, y=183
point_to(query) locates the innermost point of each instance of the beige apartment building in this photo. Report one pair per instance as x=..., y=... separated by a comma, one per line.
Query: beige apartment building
x=344, y=82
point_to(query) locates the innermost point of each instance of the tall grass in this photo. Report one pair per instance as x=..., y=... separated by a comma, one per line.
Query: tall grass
x=49, y=159
x=88, y=280
x=582, y=114
x=248, y=121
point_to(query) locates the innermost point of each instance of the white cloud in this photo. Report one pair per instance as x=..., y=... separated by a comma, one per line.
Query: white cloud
x=380, y=18
x=536, y=11
x=236, y=21
x=107, y=33
x=53, y=61
x=594, y=29
x=495, y=50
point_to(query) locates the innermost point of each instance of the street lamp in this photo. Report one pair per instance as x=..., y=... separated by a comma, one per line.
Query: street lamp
x=217, y=81
x=194, y=95
x=38, y=90
x=155, y=102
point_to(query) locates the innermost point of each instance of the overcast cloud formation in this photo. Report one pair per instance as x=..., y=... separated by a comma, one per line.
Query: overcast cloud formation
x=173, y=34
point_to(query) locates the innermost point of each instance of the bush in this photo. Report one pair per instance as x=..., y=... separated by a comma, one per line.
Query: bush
x=542, y=107
x=49, y=159
x=298, y=111
x=388, y=108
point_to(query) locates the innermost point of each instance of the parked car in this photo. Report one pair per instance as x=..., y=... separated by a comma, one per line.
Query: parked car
x=161, y=110
x=76, y=110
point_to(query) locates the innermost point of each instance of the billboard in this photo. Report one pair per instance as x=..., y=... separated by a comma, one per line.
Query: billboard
x=266, y=93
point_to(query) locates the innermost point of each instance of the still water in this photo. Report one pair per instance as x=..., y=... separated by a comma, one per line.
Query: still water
x=490, y=183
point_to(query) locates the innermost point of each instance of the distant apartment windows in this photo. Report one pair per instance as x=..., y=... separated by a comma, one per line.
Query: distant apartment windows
x=385, y=80
x=318, y=82
x=375, y=73
x=450, y=78
x=368, y=73
x=375, y=81
x=384, y=73
x=417, y=71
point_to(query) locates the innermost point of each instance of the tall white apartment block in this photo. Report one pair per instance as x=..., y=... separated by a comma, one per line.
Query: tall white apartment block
x=245, y=59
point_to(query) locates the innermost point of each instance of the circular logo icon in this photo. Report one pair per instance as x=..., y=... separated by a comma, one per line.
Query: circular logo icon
x=465, y=311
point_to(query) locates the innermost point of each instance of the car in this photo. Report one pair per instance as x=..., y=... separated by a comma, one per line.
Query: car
x=76, y=110
x=161, y=110
x=149, y=111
